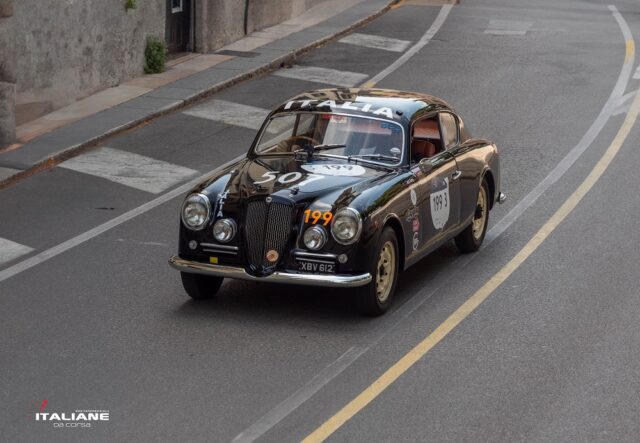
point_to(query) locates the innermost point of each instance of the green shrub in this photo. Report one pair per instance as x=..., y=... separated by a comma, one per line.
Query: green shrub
x=155, y=55
x=131, y=4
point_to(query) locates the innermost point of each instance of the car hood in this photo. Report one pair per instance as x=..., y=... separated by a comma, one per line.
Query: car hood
x=294, y=179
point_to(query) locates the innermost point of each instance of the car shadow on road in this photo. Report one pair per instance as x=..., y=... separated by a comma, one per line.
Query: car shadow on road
x=269, y=302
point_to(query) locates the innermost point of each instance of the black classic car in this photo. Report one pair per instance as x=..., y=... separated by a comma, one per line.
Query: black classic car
x=341, y=188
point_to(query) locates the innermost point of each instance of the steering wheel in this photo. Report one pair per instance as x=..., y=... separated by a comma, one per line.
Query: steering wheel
x=303, y=137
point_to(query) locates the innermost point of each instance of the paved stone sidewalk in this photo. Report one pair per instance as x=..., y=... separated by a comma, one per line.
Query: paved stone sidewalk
x=67, y=131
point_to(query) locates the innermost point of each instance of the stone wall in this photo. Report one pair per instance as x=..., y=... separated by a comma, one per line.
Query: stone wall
x=68, y=49
x=7, y=74
x=64, y=50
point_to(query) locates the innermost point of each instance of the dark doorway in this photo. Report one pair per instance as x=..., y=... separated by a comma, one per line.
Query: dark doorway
x=178, y=30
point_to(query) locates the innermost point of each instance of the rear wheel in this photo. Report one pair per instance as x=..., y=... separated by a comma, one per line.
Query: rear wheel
x=472, y=237
x=375, y=298
x=200, y=287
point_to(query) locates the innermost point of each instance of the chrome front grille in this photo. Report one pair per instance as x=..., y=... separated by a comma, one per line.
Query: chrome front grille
x=267, y=228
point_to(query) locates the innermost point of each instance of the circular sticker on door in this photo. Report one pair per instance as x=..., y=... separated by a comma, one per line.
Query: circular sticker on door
x=336, y=169
x=440, y=202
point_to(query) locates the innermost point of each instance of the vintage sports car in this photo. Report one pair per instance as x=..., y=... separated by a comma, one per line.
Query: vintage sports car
x=341, y=188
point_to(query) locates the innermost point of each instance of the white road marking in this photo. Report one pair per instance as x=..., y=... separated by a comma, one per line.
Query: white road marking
x=7, y=172
x=397, y=316
x=322, y=75
x=426, y=38
x=624, y=103
x=507, y=27
x=291, y=403
x=10, y=250
x=230, y=113
x=376, y=42
x=574, y=154
x=142, y=243
x=54, y=251
x=129, y=169
x=636, y=74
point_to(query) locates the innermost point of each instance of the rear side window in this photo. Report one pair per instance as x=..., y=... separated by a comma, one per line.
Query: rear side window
x=449, y=128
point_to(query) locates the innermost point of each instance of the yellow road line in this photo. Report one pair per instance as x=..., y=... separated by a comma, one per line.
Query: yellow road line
x=368, y=84
x=419, y=351
x=630, y=50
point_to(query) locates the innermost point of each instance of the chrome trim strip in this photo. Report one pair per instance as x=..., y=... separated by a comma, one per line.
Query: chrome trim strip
x=501, y=197
x=328, y=280
x=216, y=246
x=315, y=255
x=219, y=251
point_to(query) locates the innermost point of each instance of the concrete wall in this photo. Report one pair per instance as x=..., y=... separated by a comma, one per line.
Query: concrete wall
x=68, y=49
x=220, y=22
x=265, y=13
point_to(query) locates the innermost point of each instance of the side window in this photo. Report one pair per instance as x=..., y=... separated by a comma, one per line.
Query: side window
x=425, y=140
x=449, y=130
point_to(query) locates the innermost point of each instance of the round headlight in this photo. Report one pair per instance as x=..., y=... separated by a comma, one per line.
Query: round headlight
x=196, y=210
x=346, y=226
x=224, y=230
x=314, y=238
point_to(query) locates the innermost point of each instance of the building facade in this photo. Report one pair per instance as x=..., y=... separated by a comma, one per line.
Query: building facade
x=54, y=52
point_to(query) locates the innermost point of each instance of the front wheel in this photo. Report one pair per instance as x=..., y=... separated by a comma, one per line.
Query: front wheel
x=375, y=298
x=472, y=237
x=200, y=287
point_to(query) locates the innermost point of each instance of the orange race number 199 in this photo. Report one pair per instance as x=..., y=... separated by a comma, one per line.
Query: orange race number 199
x=313, y=217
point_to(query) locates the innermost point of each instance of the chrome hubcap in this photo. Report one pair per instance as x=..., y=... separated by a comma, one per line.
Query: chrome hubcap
x=480, y=217
x=386, y=271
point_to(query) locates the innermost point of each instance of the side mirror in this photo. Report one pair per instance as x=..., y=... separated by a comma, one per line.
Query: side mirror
x=425, y=165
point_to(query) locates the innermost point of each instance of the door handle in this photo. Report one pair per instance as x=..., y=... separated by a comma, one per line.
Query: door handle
x=456, y=175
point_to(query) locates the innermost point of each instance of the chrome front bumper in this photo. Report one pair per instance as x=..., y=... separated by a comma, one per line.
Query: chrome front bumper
x=328, y=280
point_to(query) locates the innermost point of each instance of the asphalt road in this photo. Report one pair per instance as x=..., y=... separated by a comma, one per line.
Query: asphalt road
x=553, y=354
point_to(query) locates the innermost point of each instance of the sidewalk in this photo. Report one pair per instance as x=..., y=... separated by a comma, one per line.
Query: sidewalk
x=68, y=131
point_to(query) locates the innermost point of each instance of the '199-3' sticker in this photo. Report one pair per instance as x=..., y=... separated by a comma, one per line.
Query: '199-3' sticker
x=440, y=202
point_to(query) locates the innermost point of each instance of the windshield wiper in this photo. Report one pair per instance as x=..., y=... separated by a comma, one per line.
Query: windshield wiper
x=311, y=150
x=375, y=157
x=358, y=159
x=328, y=146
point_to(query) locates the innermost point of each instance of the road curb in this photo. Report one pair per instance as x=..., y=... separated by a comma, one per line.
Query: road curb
x=290, y=57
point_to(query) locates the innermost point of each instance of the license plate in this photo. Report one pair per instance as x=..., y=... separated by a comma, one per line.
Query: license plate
x=327, y=268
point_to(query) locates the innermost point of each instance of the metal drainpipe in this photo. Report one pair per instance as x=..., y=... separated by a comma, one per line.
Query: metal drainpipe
x=192, y=31
x=246, y=16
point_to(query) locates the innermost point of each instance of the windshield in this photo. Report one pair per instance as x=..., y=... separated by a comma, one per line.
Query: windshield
x=348, y=136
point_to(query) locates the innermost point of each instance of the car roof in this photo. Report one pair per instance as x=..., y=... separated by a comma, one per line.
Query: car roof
x=391, y=104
